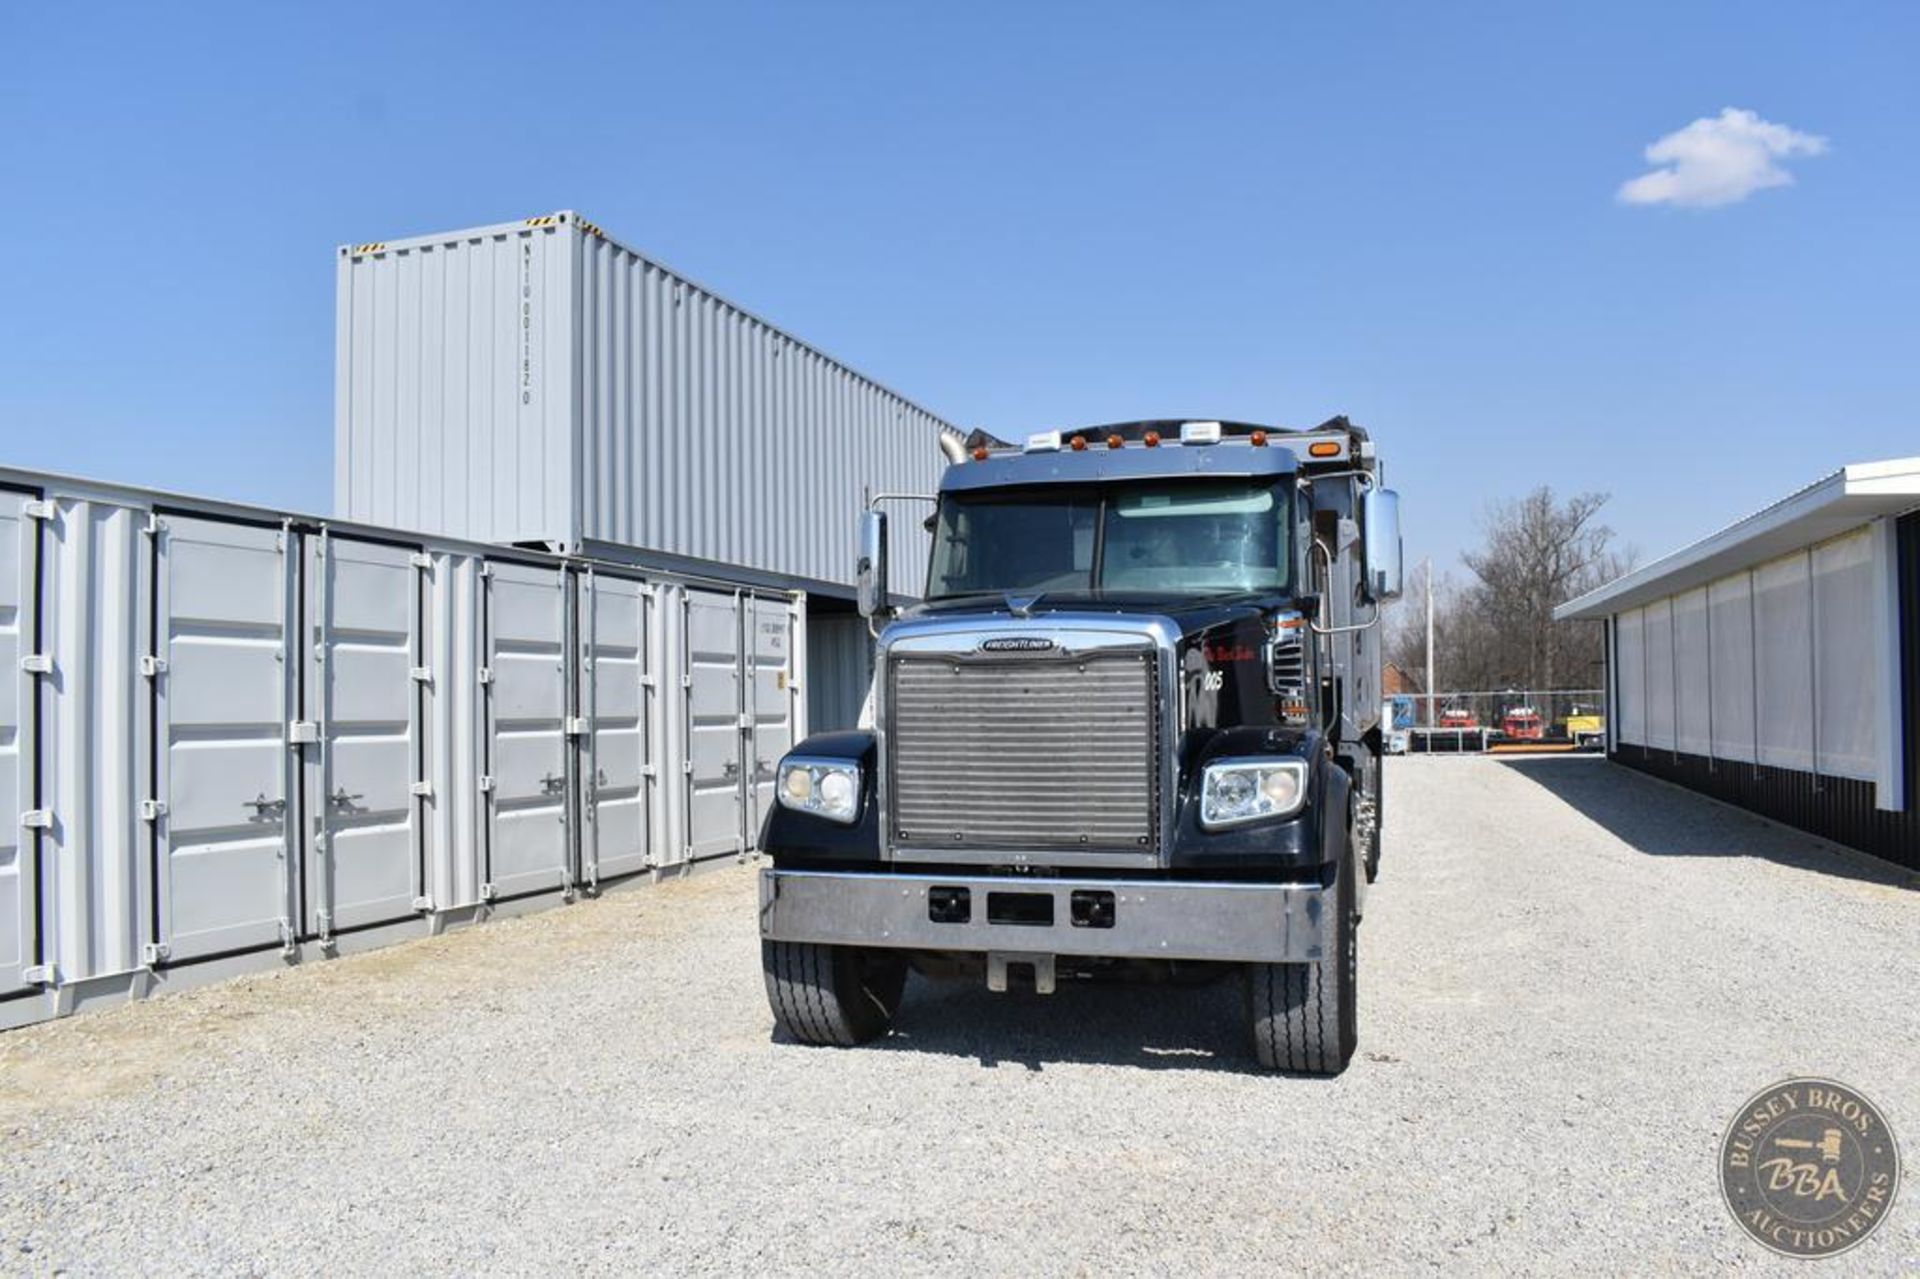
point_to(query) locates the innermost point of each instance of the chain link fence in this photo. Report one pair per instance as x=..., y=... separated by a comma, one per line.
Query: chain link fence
x=1503, y=719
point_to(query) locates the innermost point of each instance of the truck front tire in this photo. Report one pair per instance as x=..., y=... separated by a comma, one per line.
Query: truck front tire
x=1305, y=1017
x=840, y=995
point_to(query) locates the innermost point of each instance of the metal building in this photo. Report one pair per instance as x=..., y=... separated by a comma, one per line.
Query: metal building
x=539, y=383
x=1776, y=664
x=233, y=737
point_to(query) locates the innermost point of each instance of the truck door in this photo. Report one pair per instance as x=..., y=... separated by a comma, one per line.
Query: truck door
x=363, y=609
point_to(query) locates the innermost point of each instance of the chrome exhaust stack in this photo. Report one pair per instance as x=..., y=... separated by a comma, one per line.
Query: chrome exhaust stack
x=953, y=444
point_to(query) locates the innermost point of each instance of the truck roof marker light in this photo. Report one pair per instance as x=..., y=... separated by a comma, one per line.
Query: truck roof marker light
x=1152, y=439
x=1043, y=442
x=1258, y=439
x=1114, y=442
x=1079, y=443
x=1323, y=448
x=980, y=453
x=1199, y=432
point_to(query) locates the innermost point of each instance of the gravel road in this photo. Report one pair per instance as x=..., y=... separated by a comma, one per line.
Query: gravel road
x=1571, y=977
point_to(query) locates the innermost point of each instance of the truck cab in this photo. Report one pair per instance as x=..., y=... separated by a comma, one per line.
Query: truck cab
x=1131, y=729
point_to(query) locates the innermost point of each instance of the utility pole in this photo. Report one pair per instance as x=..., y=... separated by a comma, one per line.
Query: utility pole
x=1428, y=563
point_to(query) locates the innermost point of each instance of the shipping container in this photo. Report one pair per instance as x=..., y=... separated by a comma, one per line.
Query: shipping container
x=539, y=383
x=232, y=738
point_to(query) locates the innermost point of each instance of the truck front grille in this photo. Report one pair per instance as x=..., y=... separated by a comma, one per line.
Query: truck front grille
x=1060, y=752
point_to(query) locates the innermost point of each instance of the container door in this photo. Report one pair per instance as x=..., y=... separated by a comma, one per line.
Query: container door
x=770, y=719
x=526, y=698
x=616, y=754
x=225, y=838
x=716, y=789
x=363, y=605
x=19, y=562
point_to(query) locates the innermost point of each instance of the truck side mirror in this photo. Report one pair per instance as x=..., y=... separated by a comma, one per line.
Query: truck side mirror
x=871, y=571
x=1380, y=517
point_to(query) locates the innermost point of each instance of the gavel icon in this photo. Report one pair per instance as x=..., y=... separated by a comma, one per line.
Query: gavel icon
x=1828, y=1145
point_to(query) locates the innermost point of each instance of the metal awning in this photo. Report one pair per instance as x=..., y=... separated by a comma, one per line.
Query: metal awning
x=1843, y=501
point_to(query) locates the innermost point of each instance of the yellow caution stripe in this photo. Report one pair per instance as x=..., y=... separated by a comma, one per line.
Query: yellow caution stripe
x=360, y=250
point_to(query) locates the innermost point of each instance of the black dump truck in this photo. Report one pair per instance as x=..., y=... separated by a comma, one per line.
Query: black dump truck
x=1132, y=730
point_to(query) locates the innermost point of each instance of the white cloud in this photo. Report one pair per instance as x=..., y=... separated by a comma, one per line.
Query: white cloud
x=1721, y=159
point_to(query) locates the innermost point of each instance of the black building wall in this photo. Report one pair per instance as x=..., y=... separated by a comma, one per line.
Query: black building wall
x=1837, y=808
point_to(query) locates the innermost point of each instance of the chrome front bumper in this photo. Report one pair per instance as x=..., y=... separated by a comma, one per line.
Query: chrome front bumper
x=1159, y=919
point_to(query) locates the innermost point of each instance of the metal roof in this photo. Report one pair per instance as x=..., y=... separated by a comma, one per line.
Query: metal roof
x=1835, y=504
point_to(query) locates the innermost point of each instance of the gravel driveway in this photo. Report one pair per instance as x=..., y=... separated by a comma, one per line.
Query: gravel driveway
x=1571, y=977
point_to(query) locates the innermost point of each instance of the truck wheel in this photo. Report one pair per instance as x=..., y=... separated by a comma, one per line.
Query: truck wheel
x=842, y=995
x=1305, y=1017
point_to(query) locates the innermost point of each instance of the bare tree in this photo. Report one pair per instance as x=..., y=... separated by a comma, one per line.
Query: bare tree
x=1496, y=630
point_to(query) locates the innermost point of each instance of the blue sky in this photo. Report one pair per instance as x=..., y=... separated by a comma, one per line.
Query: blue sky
x=1020, y=215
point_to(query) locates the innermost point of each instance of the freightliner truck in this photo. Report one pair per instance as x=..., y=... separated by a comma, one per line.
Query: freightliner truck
x=1131, y=730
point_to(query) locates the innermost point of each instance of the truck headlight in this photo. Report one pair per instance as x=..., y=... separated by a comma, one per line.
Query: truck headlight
x=1233, y=791
x=828, y=788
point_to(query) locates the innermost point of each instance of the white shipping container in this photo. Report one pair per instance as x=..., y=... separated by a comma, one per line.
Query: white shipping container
x=538, y=382
x=232, y=738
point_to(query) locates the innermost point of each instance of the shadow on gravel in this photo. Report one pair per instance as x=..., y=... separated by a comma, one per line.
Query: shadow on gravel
x=1666, y=821
x=1152, y=1026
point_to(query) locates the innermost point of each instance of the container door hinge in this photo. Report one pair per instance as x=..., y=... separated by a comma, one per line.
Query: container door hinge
x=746, y=721
x=303, y=732
x=686, y=681
x=152, y=810
x=41, y=975
x=424, y=790
x=485, y=675
x=577, y=726
x=648, y=770
x=488, y=892
x=421, y=674
x=686, y=766
x=34, y=509
x=648, y=681
x=424, y=905
x=420, y=559
x=37, y=819
x=155, y=953
x=486, y=783
x=37, y=664
x=153, y=667
x=289, y=940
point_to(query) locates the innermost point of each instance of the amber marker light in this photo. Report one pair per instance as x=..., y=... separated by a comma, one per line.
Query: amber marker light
x=1114, y=441
x=980, y=454
x=1323, y=448
x=1079, y=444
x=1153, y=440
x=1258, y=439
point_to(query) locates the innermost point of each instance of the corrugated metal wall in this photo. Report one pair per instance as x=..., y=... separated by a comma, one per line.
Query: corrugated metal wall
x=840, y=666
x=544, y=383
x=1834, y=807
x=232, y=738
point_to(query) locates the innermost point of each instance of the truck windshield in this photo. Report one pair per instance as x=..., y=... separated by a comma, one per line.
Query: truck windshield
x=1206, y=537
